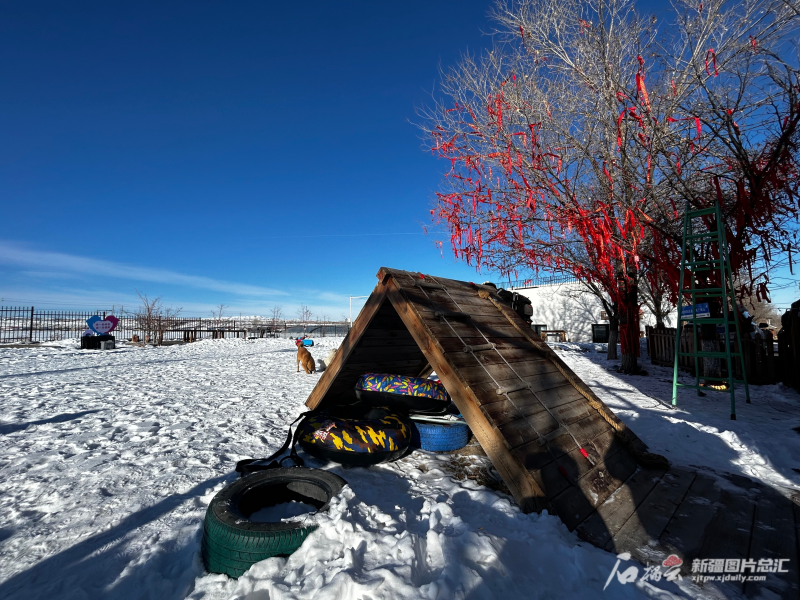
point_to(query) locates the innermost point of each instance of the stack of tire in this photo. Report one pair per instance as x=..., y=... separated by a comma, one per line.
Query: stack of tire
x=381, y=428
x=427, y=403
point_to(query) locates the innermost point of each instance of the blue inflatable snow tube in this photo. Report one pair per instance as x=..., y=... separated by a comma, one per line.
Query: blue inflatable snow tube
x=436, y=437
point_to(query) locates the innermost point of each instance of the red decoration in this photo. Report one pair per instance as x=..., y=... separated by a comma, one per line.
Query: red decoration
x=514, y=203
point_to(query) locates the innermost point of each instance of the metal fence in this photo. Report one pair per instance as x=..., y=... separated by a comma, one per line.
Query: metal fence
x=26, y=324
x=31, y=325
x=537, y=281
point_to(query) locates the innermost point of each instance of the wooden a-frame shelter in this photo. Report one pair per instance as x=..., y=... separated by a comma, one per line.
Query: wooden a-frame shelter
x=553, y=441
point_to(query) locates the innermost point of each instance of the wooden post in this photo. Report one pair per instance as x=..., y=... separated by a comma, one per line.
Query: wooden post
x=30, y=333
x=791, y=362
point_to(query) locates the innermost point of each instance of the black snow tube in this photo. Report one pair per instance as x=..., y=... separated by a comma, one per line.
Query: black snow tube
x=232, y=543
x=356, y=435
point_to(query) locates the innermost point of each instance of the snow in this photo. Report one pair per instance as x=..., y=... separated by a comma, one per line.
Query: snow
x=108, y=461
x=762, y=443
x=282, y=511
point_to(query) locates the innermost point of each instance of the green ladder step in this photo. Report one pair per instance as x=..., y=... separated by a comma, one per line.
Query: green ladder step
x=705, y=388
x=701, y=212
x=709, y=320
x=714, y=379
x=703, y=263
x=712, y=237
x=710, y=291
x=708, y=354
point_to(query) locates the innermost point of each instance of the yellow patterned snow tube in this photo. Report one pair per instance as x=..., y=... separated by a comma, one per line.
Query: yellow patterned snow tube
x=355, y=435
x=402, y=393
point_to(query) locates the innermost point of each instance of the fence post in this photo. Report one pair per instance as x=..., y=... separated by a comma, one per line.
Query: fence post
x=30, y=332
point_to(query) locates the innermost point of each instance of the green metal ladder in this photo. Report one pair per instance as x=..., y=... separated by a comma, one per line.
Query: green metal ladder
x=725, y=293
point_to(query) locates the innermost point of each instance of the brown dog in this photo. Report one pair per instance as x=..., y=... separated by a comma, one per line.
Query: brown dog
x=304, y=358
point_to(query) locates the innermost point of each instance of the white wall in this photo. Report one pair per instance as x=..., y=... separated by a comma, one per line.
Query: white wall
x=569, y=306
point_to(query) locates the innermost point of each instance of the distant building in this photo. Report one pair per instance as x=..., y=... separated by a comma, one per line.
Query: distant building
x=562, y=303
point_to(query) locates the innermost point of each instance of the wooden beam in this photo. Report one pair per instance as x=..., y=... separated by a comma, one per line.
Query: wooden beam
x=365, y=317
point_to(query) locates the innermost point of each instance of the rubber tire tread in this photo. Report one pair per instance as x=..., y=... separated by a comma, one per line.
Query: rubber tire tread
x=232, y=551
x=442, y=438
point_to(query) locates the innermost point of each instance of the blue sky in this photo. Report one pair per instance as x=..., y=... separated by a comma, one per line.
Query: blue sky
x=244, y=153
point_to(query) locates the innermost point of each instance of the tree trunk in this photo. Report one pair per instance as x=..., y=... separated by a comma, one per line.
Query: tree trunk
x=629, y=334
x=629, y=364
x=613, y=336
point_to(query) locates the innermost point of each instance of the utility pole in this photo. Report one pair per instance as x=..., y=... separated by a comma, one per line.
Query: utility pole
x=351, y=307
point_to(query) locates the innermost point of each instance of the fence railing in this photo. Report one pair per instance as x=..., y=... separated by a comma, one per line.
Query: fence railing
x=537, y=281
x=30, y=325
x=26, y=324
x=760, y=361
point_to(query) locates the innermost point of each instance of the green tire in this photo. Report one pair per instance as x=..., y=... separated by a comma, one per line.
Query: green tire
x=232, y=543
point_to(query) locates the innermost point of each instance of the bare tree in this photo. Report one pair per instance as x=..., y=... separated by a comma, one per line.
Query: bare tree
x=763, y=312
x=545, y=175
x=304, y=315
x=154, y=319
x=654, y=294
x=217, y=313
x=276, y=314
x=324, y=319
x=166, y=320
x=734, y=135
x=146, y=316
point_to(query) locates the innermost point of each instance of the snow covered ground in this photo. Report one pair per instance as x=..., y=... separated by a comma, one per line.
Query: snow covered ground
x=763, y=443
x=108, y=461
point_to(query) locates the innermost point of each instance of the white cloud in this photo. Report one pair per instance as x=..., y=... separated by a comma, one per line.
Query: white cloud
x=340, y=299
x=59, y=280
x=58, y=263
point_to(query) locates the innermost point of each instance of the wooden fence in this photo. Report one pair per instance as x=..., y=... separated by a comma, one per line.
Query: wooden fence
x=761, y=363
x=789, y=347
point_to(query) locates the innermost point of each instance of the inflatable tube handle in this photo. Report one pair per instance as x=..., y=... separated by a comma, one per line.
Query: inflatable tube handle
x=251, y=465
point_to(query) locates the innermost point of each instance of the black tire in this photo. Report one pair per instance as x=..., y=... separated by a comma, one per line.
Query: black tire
x=232, y=543
x=405, y=403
